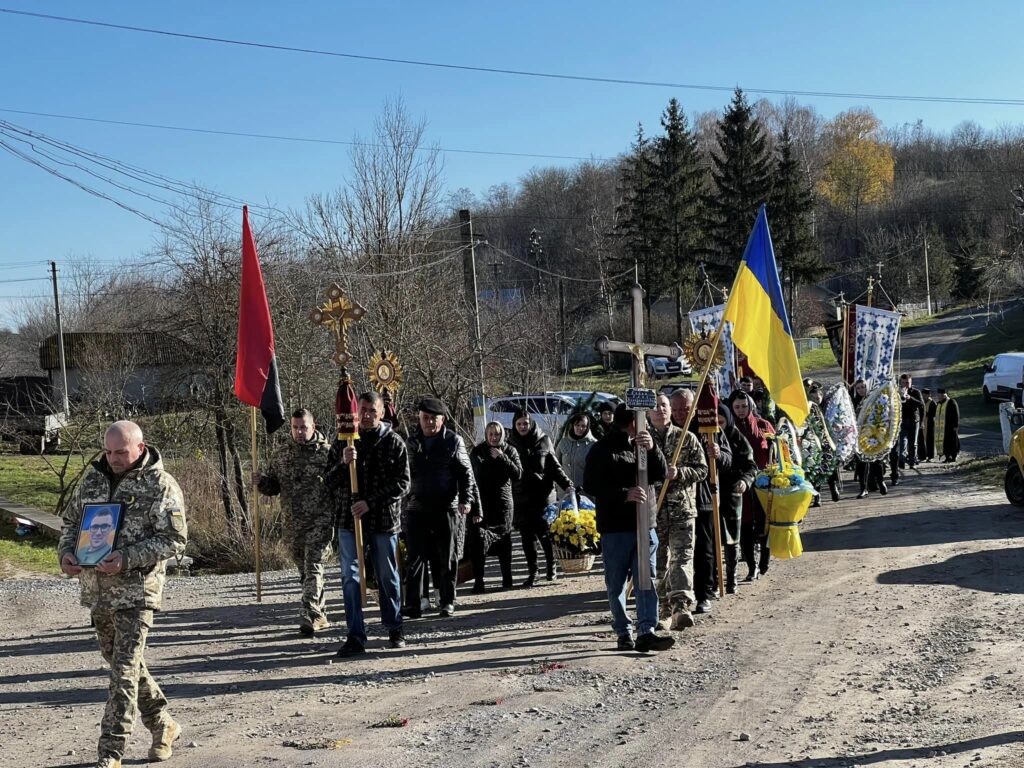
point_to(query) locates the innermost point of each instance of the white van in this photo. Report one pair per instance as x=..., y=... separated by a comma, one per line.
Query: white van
x=1003, y=376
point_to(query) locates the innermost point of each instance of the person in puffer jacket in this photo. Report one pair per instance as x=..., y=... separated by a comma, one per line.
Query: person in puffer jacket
x=574, y=446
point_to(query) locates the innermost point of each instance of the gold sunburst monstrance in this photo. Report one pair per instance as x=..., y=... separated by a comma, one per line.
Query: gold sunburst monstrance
x=698, y=350
x=385, y=371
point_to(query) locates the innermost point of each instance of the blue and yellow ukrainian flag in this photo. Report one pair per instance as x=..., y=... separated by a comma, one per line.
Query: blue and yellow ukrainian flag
x=761, y=327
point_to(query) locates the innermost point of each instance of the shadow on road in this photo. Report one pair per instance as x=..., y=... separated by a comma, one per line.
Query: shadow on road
x=994, y=570
x=250, y=647
x=917, y=529
x=910, y=753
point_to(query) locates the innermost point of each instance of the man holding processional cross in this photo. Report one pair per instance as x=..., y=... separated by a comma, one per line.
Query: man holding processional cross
x=619, y=471
x=370, y=483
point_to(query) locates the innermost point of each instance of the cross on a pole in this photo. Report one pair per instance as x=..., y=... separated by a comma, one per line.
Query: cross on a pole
x=639, y=349
x=337, y=313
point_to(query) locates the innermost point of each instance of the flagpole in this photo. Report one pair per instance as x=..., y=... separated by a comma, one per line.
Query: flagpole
x=703, y=381
x=256, y=503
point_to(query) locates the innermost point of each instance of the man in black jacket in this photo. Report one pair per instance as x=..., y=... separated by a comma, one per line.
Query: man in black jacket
x=704, y=547
x=610, y=475
x=443, y=491
x=912, y=412
x=734, y=482
x=382, y=467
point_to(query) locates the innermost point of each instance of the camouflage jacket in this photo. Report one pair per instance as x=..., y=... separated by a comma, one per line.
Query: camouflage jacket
x=681, y=499
x=152, y=530
x=297, y=472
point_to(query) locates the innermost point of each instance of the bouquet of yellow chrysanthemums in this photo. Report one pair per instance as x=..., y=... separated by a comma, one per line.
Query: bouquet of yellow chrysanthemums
x=574, y=532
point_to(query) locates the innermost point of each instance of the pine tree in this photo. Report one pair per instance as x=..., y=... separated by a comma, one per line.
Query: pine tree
x=966, y=265
x=638, y=216
x=742, y=175
x=680, y=198
x=789, y=213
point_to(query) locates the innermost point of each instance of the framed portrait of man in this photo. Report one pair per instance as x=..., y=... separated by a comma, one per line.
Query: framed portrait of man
x=97, y=532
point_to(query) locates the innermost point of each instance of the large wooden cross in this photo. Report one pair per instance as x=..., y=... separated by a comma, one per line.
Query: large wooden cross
x=337, y=313
x=639, y=349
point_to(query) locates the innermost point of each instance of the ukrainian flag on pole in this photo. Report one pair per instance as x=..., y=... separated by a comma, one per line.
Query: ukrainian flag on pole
x=761, y=327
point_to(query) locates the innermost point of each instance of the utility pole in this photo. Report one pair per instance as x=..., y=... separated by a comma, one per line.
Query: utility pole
x=60, y=338
x=561, y=322
x=469, y=272
x=927, y=279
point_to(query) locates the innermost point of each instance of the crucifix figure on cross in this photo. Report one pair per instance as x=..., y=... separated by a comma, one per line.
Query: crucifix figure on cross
x=337, y=313
x=639, y=349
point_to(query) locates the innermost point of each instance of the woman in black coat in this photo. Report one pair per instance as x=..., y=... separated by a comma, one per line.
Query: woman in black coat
x=496, y=466
x=535, y=491
x=733, y=482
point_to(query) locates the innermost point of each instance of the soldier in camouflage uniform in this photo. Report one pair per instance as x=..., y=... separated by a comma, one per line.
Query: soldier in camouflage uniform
x=297, y=473
x=677, y=516
x=125, y=588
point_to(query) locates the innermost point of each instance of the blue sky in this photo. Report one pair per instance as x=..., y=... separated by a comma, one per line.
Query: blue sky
x=939, y=48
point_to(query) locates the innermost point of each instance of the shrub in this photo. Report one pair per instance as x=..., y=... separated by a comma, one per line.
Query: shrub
x=219, y=544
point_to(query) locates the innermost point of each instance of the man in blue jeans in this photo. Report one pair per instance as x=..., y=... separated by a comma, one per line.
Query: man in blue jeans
x=382, y=466
x=610, y=476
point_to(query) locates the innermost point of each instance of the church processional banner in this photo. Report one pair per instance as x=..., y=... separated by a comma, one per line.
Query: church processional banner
x=706, y=321
x=877, y=331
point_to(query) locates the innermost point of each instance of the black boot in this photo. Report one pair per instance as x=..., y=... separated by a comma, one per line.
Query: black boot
x=747, y=545
x=833, y=487
x=765, y=558
x=730, y=569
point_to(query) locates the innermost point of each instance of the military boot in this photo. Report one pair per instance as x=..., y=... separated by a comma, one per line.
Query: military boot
x=163, y=737
x=108, y=762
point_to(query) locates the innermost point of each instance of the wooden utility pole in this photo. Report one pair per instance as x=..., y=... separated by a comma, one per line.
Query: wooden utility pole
x=60, y=340
x=472, y=293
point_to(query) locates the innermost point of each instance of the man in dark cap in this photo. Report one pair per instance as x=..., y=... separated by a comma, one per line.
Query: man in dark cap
x=443, y=490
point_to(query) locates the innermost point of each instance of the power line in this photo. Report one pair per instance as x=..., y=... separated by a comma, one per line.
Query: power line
x=281, y=137
x=559, y=275
x=514, y=72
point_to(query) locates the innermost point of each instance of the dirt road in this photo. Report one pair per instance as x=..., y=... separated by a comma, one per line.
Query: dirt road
x=894, y=641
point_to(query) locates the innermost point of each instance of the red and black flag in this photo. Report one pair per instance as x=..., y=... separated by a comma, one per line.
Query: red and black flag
x=256, y=381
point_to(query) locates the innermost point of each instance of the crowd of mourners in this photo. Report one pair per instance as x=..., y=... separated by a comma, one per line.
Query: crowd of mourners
x=408, y=509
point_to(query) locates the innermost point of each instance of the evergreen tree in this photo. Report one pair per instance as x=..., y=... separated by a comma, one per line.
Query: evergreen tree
x=638, y=217
x=742, y=175
x=966, y=265
x=789, y=213
x=680, y=198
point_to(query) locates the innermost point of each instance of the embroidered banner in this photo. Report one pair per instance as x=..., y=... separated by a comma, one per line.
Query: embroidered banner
x=877, y=333
x=708, y=320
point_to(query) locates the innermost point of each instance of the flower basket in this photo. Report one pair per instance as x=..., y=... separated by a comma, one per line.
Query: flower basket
x=786, y=495
x=574, y=533
x=573, y=562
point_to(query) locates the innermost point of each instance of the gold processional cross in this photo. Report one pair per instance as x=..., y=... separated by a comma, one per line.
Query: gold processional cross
x=336, y=314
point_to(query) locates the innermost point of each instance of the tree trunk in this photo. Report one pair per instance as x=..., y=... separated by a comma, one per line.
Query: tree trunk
x=222, y=457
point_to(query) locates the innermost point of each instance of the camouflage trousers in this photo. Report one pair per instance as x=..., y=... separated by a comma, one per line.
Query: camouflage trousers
x=676, y=536
x=310, y=547
x=122, y=638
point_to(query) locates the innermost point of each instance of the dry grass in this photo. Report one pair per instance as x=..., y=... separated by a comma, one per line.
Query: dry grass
x=216, y=543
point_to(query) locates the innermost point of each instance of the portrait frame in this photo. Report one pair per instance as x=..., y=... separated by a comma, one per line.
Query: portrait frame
x=91, y=549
